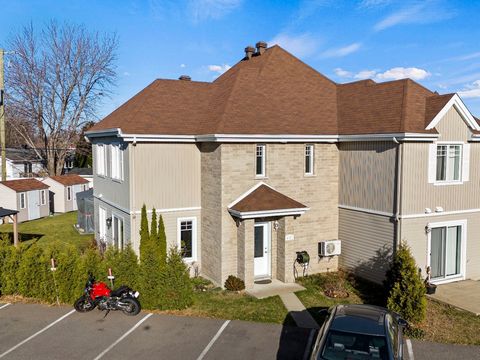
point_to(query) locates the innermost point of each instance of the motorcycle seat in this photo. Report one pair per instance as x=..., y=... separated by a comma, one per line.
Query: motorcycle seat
x=119, y=291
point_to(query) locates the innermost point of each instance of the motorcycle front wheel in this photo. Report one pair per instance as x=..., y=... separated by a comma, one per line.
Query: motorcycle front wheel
x=84, y=304
x=130, y=306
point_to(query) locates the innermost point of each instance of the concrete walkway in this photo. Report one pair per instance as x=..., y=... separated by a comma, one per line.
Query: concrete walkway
x=464, y=295
x=298, y=311
x=273, y=288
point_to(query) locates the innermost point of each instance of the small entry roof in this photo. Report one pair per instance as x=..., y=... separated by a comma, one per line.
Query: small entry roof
x=263, y=201
x=7, y=212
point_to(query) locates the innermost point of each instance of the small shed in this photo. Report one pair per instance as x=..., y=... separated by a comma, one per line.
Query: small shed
x=28, y=196
x=64, y=190
x=85, y=215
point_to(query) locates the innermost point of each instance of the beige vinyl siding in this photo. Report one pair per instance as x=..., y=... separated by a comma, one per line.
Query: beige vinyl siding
x=413, y=233
x=165, y=176
x=367, y=243
x=418, y=193
x=367, y=175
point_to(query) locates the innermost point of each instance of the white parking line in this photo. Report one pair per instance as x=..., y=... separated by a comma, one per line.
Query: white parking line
x=36, y=334
x=410, y=349
x=309, y=345
x=123, y=336
x=215, y=338
x=4, y=306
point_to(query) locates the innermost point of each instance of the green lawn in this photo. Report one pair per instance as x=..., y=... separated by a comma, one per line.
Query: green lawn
x=51, y=230
x=443, y=323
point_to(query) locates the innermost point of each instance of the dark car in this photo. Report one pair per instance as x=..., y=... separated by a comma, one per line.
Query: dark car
x=358, y=332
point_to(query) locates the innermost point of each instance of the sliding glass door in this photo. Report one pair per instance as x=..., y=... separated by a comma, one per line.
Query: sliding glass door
x=445, y=252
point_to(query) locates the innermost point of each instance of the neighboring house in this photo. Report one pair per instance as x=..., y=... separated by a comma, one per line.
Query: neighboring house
x=28, y=196
x=63, y=191
x=86, y=173
x=23, y=163
x=273, y=158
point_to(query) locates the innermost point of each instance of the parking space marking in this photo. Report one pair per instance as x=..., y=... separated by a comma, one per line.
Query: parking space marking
x=4, y=306
x=123, y=336
x=410, y=349
x=215, y=338
x=309, y=345
x=36, y=334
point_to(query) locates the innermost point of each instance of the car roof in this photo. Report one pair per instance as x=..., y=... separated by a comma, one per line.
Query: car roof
x=365, y=319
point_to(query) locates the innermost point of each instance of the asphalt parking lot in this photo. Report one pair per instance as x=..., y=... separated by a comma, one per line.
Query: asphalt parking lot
x=33, y=331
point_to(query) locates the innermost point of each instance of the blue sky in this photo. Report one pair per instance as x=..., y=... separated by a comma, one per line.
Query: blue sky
x=435, y=42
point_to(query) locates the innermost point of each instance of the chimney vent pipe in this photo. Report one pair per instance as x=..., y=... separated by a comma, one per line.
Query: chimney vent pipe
x=261, y=47
x=249, y=50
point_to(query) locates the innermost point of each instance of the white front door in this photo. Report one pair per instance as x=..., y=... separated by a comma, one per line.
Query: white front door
x=33, y=201
x=102, y=224
x=262, y=250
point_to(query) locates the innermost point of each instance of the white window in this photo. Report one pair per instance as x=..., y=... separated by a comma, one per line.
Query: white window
x=102, y=223
x=309, y=159
x=116, y=162
x=187, y=238
x=260, y=160
x=69, y=193
x=22, y=201
x=449, y=163
x=43, y=199
x=117, y=232
x=101, y=170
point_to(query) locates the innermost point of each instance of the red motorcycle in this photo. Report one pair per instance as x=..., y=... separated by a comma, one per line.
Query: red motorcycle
x=98, y=294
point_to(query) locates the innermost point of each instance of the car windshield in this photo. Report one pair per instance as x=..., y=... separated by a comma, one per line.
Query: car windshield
x=350, y=346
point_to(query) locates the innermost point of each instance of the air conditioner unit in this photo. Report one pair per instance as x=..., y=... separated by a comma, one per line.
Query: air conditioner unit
x=330, y=248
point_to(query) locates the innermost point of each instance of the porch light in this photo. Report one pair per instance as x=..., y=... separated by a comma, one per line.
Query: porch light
x=109, y=222
x=428, y=228
x=275, y=225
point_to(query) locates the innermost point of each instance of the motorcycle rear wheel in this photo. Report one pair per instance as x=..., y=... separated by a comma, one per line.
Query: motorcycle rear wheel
x=131, y=306
x=84, y=304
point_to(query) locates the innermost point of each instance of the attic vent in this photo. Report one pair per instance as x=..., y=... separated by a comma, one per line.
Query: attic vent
x=249, y=50
x=261, y=47
x=185, y=78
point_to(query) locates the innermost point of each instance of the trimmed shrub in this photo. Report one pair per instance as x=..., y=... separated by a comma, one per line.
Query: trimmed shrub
x=162, y=240
x=67, y=276
x=124, y=265
x=405, y=288
x=234, y=283
x=176, y=287
x=154, y=226
x=89, y=263
x=144, y=233
x=9, y=263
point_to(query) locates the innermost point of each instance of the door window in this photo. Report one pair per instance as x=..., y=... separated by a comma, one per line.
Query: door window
x=258, y=248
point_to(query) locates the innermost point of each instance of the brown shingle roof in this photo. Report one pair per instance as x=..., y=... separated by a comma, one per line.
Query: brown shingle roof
x=276, y=93
x=22, y=185
x=70, y=179
x=264, y=198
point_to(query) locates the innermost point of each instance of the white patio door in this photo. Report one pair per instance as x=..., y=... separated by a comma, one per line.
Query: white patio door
x=446, y=252
x=102, y=224
x=117, y=232
x=33, y=201
x=262, y=253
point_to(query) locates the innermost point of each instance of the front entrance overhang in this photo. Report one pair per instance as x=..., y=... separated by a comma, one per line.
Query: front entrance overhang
x=262, y=201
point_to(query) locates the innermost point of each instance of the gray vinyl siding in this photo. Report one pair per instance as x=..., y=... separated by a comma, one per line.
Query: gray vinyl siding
x=418, y=193
x=111, y=190
x=367, y=243
x=367, y=175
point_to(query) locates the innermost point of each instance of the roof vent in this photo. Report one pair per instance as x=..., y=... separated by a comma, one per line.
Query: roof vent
x=261, y=47
x=185, y=78
x=249, y=50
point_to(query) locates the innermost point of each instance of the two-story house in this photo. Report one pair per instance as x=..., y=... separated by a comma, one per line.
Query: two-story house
x=272, y=158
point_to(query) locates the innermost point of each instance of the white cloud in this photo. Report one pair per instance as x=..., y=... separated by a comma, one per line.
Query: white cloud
x=365, y=74
x=211, y=9
x=425, y=12
x=183, y=66
x=219, y=68
x=342, y=51
x=126, y=73
x=373, y=3
x=299, y=45
x=402, y=73
x=471, y=91
x=342, y=73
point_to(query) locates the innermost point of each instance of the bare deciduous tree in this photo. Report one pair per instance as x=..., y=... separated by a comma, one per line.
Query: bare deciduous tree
x=55, y=81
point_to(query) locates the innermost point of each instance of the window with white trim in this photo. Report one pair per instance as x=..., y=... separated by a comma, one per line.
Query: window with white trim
x=260, y=160
x=117, y=232
x=43, y=198
x=100, y=160
x=69, y=193
x=116, y=161
x=187, y=238
x=309, y=160
x=23, y=204
x=449, y=159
